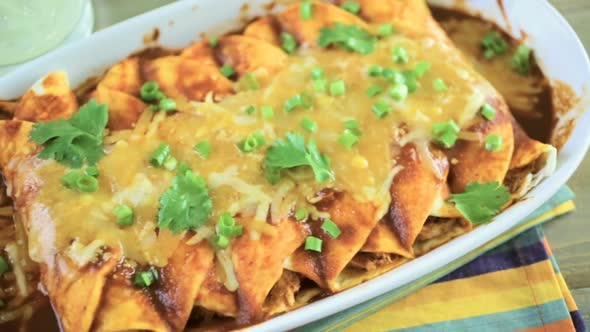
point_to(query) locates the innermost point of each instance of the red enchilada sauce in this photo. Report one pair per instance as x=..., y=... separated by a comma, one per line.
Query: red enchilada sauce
x=529, y=98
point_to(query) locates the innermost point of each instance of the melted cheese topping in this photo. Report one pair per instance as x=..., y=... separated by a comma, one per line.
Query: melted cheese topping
x=235, y=179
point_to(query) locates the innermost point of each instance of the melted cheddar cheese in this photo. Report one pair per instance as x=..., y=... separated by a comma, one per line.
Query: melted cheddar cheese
x=236, y=179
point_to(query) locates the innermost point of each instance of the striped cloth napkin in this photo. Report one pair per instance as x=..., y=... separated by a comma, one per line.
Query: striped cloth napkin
x=509, y=284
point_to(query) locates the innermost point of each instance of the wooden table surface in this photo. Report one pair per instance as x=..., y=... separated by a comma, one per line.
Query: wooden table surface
x=569, y=235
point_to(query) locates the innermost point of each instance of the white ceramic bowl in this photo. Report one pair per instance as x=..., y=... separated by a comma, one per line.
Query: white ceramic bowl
x=555, y=43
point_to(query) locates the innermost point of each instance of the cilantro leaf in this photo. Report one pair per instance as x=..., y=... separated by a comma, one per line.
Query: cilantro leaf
x=350, y=37
x=76, y=141
x=186, y=204
x=481, y=201
x=319, y=163
x=292, y=152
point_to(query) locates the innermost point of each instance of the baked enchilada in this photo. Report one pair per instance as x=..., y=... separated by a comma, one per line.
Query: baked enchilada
x=249, y=174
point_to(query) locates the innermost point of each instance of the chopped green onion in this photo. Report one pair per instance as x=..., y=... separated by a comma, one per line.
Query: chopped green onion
x=92, y=171
x=352, y=7
x=302, y=99
x=227, y=226
x=347, y=139
x=149, y=91
x=493, y=44
x=213, y=42
x=309, y=125
x=520, y=61
x=160, y=154
x=331, y=228
x=439, y=85
x=69, y=180
x=313, y=243
x=488, y=111
x=410, y=80
x=288, y=43
x=145, y=278
x=373, y=90
x=337, y=88
x=317, y=73
x=399, y=92
x=301, y=214
x=421, y=68
x=400, y=55
x=385, y=30
x=393, y=76
x=124, y=215
x=381, y=108
x=220, y=241
x=4, y=266
x=353, y=126
x=252, y=142
x=320, y=85
x=170, y=163
x=267, y=112
x=445, y=133
x=375, y=70
x=251, y=81
x=203, y=149
x=227, y=71
x=493, y=142
x=167, y=104
x=2, y=303
x=306, y=10
x=87, y=183
x=250, y=110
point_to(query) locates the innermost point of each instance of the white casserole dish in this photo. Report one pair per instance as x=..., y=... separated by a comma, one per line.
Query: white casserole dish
x=555, y=43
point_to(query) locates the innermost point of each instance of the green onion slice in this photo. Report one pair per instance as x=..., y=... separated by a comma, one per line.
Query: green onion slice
x=203, y=149
x=252, y=142
x=301, y=214
x=399, y=92
x=493, y=142
x=373, y=90
x=445, y=133
x=160, y=155
x=337, y=88
x=124, y=215
x=331, y=228
x=87, y=183
x=352, y=7
x=375, y=70
x=149, y=91
x=306, y=10
x=227, y=71
x=309, y=125
x=347, y=139
x=488, y=112
x=320, y=85
x=385, y=30
x=317, y=73
x=267, y=112
x=400, y=55
x=439, y=85
x=381, y=108
x=288, y=42
x=313, y=243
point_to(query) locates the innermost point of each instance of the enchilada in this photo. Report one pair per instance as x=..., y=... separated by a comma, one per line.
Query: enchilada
x=328, y=180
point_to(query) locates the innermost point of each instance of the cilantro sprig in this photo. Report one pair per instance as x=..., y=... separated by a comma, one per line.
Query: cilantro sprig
x=349, y=37
x=292, y=152
x=186, y=204
x=481, y=201
x=76, y=141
